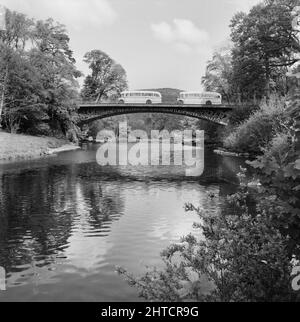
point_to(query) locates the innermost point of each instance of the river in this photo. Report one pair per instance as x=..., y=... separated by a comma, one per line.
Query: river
x=66, y=222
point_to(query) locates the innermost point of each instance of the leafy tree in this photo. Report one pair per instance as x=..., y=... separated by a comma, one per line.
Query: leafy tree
x=22, y=89
x=265, y=45
x=14, y=38
x=18, y=30
x=107, y=78
x=218, y=75
x=39, y=87
x=54, y=60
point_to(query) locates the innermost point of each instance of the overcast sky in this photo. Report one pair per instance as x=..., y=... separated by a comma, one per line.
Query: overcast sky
x=160, y=43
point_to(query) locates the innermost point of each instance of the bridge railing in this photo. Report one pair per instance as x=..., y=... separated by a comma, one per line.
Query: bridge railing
x=173, y=104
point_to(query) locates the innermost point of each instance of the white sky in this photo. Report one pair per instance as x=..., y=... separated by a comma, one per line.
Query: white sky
x=160, y=43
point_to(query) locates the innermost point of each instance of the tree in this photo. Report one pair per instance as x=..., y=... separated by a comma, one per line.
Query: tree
x=39, y=84
x=107, y=78
x=22, y=90
x=265, y=45
x=54, y=60
x=13, y=38
x=218, y=75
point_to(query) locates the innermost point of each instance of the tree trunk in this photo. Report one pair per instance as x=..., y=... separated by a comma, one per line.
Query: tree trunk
x=268, y=79
x=3, y=93
x=239, y=98
x=98, y=98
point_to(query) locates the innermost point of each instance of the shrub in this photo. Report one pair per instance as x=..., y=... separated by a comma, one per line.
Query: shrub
x=256, y=132
x=243, y=257
x=241, y=114
x=278, y=170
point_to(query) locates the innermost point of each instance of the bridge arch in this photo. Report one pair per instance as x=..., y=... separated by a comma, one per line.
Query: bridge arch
x=215, y=114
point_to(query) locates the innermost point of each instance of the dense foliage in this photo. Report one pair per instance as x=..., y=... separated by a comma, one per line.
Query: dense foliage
x=264, y=45
x=257, y=130
x=107, y=79
x=240, y=258
x=219, y=74
x=38, y=77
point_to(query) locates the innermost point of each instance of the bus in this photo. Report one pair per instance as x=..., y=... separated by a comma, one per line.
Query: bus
x=203, y=98
x=140, y=97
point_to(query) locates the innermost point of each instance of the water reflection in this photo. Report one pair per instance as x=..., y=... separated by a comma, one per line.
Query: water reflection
x=65, y=222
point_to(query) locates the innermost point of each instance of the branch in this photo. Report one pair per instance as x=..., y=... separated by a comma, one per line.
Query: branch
x=290, y=63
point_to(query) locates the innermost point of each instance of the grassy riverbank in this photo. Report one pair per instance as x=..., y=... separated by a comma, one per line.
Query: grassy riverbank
x=15, y=147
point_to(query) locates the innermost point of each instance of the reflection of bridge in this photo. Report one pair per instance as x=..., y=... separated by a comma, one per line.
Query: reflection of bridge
x=213, y=113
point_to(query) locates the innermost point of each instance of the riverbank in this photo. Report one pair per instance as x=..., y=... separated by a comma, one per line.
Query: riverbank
x=17, y=147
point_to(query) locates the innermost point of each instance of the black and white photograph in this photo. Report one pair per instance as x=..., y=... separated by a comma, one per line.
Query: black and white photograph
x=149, y=153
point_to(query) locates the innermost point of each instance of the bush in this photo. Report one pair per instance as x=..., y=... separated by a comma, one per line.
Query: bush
x=256, y=132
x=243, y=257
x=278, y=170
x=241, y=114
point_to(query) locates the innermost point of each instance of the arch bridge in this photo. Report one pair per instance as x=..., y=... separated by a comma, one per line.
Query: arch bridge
x=90, y=112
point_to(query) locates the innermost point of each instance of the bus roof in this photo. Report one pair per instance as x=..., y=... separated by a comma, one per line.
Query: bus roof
x=147, y=92
x=203, y=92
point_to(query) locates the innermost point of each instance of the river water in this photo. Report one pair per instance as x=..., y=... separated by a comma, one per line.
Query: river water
x=66, y=222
